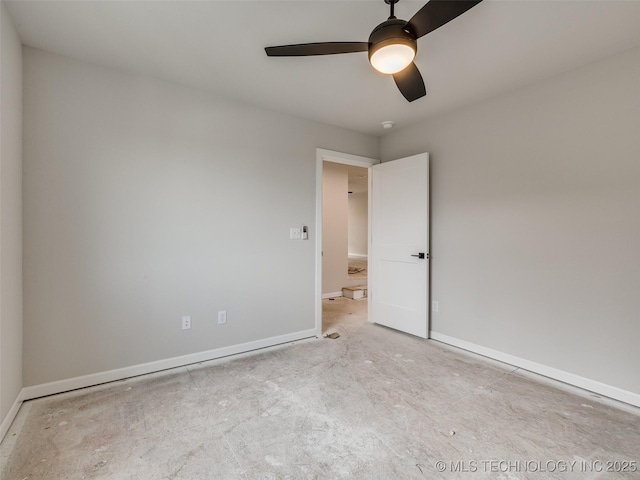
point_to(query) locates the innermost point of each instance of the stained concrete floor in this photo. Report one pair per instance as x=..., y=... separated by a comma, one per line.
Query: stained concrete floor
x=373, y=403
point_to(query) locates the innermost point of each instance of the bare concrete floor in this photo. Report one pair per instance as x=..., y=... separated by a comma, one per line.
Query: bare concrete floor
x=373, y=403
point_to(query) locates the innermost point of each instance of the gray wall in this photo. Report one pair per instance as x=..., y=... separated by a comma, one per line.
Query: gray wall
x=536, y=220
x=10, y=216
x=146, y=201
x=358, y=223
x=335, y=228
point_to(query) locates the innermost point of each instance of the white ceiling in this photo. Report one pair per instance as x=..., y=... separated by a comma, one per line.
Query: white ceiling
x=495, y=47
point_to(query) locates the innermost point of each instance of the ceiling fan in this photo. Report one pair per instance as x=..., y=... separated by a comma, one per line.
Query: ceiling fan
x=392, y=45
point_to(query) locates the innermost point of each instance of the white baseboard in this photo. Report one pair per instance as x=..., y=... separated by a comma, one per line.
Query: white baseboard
x=331, y=295
x=11, y=415
x=60, y=386
x=550, y=372
x=358, y=255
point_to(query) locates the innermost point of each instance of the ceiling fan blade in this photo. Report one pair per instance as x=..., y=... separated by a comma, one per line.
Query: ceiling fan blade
x=410, y=83
x=322, y=48
x=438, y=12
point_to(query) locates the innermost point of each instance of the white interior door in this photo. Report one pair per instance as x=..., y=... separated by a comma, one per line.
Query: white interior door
x=398, y=277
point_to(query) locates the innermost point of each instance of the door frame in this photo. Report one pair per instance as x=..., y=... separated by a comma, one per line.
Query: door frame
x=322, y=156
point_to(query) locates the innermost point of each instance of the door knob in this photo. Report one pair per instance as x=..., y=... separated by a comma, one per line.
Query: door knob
x=421, y=255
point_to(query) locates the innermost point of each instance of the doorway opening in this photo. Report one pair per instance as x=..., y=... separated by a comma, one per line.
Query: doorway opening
x=343, y=232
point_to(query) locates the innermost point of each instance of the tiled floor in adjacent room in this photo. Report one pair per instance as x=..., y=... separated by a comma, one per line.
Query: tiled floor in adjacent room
x=371, y=404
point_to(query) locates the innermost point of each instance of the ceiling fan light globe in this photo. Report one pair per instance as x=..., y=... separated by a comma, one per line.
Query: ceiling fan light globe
x=392, y=58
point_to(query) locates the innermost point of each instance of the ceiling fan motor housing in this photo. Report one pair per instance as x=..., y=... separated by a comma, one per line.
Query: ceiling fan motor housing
x=392, y=32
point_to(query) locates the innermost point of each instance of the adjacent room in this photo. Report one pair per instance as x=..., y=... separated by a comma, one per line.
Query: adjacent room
x=345, y=230
x=315, y=239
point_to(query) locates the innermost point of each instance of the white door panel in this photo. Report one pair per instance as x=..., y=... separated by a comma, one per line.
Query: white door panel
x=398, y=282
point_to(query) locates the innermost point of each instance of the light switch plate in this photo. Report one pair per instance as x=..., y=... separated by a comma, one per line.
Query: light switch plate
x=295, y=233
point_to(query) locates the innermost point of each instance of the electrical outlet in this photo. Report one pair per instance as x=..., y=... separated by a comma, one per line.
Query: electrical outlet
x=222, y=317
x=434, y=306
x=186, y=323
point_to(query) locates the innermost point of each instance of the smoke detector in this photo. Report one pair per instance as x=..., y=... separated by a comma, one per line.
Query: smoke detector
x=387, y=124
